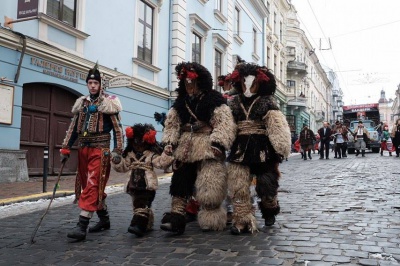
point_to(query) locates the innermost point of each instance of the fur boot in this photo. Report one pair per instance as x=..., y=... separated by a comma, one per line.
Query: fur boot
x=139, y=223
x=175, y=220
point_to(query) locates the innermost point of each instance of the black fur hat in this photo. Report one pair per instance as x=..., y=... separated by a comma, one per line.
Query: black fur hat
x=194, y=71
x=94, y=73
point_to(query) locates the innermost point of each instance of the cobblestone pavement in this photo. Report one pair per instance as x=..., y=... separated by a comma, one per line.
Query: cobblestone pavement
x=333, y=212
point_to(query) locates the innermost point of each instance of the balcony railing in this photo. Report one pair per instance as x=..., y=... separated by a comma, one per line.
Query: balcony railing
x=335, y=92
x=295, y=66
x=320, y=116
x=297, y=101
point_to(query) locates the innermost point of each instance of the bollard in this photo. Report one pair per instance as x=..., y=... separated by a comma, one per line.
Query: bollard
x=45, y=167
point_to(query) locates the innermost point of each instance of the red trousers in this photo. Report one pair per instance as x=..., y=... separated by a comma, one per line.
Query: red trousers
x=92, y=177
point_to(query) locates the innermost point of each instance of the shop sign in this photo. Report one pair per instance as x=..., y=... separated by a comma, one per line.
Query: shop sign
x=58, y=71
x=27, y=8
x=120, y=81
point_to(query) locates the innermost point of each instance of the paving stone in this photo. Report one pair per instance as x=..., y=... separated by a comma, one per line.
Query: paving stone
x=338, y=259
x=368, y=262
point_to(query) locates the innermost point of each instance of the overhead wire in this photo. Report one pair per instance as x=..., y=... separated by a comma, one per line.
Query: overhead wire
x=333, y=55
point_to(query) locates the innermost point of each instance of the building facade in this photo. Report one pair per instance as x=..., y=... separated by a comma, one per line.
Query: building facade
x=47, y=47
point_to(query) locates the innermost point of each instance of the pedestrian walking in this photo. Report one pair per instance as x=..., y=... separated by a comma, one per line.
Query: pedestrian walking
x=325, y=133
x=396, y=136
x=361, y=136
x=140, y=157
x=198, y=129
x=263, y=140
x=386, y=141
x=95, y=116
x=339, y=138
x=307, y=139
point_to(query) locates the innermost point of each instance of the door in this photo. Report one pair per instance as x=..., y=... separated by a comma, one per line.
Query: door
x=46, y=115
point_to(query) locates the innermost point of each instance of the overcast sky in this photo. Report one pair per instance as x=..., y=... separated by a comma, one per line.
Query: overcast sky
x=364, y=47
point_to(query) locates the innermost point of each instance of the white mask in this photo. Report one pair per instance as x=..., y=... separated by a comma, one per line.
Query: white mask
x=247, y=83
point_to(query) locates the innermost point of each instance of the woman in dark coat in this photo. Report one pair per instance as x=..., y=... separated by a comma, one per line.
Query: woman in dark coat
x=307, y=139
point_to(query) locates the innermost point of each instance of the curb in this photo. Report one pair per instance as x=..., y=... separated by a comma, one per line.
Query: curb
x=59, y=194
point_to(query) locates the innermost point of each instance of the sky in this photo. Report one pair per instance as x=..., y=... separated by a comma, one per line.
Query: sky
x=359, y=40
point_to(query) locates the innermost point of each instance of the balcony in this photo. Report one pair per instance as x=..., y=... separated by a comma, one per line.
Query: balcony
x=320, y=116
x=297, y=67
x=335, y=108
x=297, y=101
x=335, y=92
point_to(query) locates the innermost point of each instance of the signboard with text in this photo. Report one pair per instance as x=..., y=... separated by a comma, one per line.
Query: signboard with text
x=27, y=8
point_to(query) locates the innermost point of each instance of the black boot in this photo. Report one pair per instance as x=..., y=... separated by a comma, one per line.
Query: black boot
x=363, y=153
x=381, y=153
x=103, y=224
x=138, y=225
x=358, y=152
x=309, y=155
x=269, y=213
x=79, y=232
x=173, y=222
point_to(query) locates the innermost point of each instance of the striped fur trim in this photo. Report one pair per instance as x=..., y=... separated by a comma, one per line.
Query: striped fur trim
x=278, y=132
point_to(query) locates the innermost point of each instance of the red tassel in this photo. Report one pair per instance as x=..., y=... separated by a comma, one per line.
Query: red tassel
x=235, y=76
x=129, y=132
x=150, y=137
x=65, y=151
x=261, y=76
x=191, y=75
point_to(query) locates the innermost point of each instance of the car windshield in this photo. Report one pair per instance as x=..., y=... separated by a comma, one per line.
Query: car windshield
x=367, y=124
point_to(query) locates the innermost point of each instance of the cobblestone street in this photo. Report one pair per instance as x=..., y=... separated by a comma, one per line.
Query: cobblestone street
x=333, y=212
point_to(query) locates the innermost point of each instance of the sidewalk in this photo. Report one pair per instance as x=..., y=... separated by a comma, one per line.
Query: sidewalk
x=32, y=190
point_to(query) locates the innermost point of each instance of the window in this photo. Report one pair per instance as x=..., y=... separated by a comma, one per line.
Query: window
x=269, y=8
x=268, y=57
x=218, y=68
x=281, y=70
x=145, y=32
x=218, y=5
x=236, y=25
x=275, y=17
x=255, y=41
x=280, y=31
x=275, y=70
x=63, y=10
x=196, y=49
x=291, y=83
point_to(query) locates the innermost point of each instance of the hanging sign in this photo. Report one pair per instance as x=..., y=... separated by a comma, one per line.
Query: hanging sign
x=27, y=8
x=120, y=81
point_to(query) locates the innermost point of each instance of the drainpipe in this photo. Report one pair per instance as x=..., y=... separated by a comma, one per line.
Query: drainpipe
x=170, y=53
x=23, y=37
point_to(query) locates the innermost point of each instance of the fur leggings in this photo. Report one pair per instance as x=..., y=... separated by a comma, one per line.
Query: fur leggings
x=239, y=181
x=209, y=179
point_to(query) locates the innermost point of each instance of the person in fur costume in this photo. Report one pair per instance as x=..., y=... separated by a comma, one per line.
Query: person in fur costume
x=95, y=116
x=198, y=129
x=263, y=140
x=140, y=157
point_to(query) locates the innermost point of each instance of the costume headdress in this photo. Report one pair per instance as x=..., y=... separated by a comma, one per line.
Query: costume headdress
x=94, y=73
x=263, y=76
x=142, y=132
x=195, y=72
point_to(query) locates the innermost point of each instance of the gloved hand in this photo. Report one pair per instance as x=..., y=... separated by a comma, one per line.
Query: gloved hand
x=64, y=154
x=116, y=158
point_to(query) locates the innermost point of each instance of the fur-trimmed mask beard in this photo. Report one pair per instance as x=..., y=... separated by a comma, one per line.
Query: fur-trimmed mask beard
x=249, y=86
x=191, y=87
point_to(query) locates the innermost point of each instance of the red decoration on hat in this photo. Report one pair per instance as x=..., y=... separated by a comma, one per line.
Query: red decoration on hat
x=235, y=76
x=150, y=137
x=129, y=132
x=261, y=76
